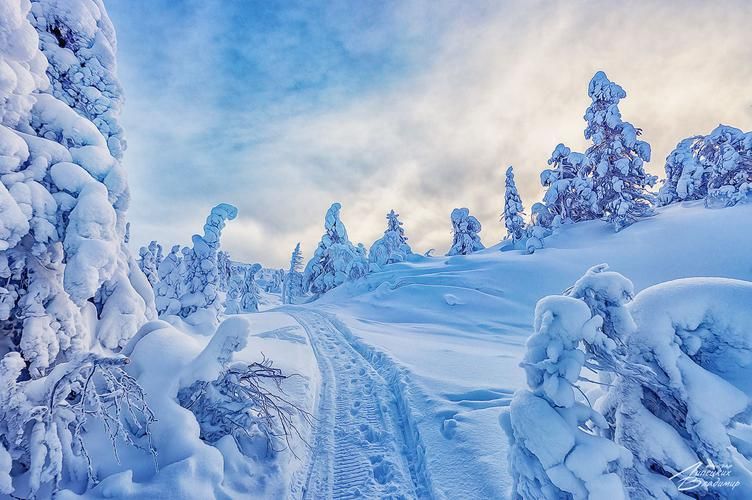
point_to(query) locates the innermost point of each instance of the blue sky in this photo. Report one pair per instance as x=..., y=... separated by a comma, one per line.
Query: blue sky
x=282, y=107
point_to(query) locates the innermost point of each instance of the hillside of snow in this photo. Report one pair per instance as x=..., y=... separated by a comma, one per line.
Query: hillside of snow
x=448, y=334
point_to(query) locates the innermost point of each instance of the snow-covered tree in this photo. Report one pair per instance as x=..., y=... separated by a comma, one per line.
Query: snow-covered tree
x=569, y=196
x=393, y=246
x=201, y=299
x=168, y=288
x=513, y=210
x=150, y=258
x=224, y=268
x=617, y=157
x=465, y=229
x=656, y=358
x=69, y=283
x=336, y=259
x=292, y=286
x=249, y=299
x=243, y=293
x=63, y=198
x=556, y=449
x=716, y=167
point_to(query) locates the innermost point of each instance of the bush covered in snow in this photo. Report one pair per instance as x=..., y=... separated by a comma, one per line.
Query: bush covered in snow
x=716, y=167
x=392, y=247
x=336, y=260
x=668, y=394
x=465, y=229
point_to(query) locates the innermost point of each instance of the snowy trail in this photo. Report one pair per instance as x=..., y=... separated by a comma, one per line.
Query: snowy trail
x=359, y=449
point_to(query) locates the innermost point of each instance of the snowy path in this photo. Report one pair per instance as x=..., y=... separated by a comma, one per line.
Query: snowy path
x=359, y=449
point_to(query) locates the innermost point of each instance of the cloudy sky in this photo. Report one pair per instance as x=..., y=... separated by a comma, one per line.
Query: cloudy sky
x=282, y=107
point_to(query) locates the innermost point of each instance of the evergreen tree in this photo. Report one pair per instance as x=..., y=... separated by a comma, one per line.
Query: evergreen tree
x=147, y=262
x=465, y=229
x=569, y=196
x=392, y=247
x=617, y=157
x=336, y=259
x=716, y=167
x=169, y=285
x=292, y=286
x=513, y=210
x=201, y=299
x=72, y=294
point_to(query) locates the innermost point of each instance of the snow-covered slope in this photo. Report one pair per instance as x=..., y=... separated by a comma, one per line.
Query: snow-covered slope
x=447, y=334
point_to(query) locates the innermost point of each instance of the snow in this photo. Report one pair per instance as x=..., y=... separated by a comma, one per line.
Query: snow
x=604, y=365
x=460, y=379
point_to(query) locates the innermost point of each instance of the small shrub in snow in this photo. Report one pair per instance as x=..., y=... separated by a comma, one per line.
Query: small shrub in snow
x=43, y=422
x=241, y=400
x=465, y=229
x=392, y=247
x=335, y=260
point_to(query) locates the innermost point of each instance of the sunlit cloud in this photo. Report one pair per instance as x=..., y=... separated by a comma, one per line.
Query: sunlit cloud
x=417, y=106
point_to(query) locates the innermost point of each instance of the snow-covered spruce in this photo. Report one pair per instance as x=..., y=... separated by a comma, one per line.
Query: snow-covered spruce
x=150, y=257
x=557, y=451
x=69, y=282
x=224, y=269
x=465, y=229
x=617, y=157
x=569, y=196
x=201, y=300
x=169, y=282
x=655, y=357
x=392, y=247
x=243, y=292
x=78, y=41
x=63, y=198
x=335, y=260
x=513, y=210
x=716, y=167
x=292, y=286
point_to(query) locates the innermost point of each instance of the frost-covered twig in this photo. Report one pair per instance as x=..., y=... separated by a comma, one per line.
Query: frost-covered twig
x=240, y=403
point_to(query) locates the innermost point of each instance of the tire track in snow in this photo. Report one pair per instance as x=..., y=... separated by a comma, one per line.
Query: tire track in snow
x=359, y=447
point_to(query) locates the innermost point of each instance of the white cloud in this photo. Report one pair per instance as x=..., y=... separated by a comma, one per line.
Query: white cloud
x=500, y=85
